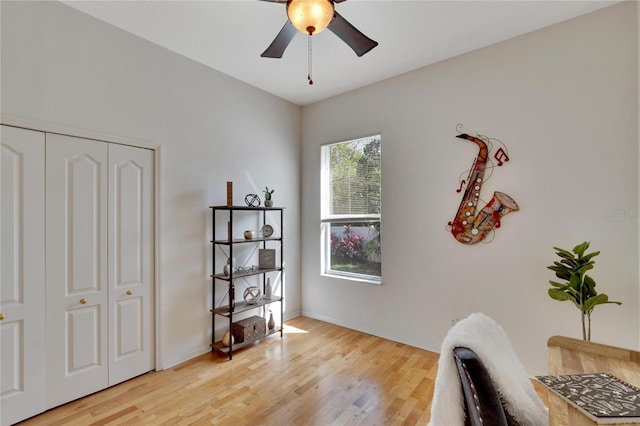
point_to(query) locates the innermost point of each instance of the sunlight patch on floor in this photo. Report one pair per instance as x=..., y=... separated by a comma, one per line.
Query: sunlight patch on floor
x=293, y=330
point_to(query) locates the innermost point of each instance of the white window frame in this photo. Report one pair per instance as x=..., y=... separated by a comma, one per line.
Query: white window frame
x=327, y=219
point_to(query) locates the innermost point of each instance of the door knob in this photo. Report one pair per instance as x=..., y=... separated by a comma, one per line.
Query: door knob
x=1, y=317
x=129, y=292
x=83, y=301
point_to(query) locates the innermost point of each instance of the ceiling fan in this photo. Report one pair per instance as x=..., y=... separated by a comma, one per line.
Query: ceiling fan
x=311, y=17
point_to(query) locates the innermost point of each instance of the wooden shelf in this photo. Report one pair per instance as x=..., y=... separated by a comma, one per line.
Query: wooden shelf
x=243, y=306
x=225, y=349
x=244, y=274
x=247, y=208
x=244, y=240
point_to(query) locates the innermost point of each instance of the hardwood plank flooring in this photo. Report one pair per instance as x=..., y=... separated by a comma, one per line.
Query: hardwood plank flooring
x=317, y=374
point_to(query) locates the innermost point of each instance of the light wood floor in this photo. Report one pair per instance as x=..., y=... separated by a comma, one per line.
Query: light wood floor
x=317, y=374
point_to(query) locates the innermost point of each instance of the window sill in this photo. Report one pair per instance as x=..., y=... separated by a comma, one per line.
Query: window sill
x=353, y=277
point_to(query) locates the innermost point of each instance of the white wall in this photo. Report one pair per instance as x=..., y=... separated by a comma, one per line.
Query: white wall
x=564, y=100
x=63, y=70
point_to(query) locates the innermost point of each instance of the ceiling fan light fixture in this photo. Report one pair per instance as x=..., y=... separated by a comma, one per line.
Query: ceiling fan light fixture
x=310, y=16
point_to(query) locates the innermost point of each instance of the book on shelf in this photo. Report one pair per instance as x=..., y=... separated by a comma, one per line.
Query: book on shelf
x=602, y=397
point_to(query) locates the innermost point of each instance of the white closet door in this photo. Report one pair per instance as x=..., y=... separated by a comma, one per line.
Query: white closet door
x=22, y=301
x=76, y=268
x=131, y=279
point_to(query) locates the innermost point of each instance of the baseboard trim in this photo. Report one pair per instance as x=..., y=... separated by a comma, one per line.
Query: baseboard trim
x=374, y=332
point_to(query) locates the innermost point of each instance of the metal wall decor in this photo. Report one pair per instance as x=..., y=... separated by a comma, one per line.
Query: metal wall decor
x=470, y=227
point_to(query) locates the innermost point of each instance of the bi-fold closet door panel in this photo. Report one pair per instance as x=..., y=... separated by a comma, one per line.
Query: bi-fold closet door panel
x=22, y=286
x=76, y=268
x=99, y=265
x=131, y=267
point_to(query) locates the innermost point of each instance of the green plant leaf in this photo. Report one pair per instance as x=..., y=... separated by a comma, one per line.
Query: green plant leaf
x=558, y=285
x=563, y=251
x=575, y=282
x=590, y=285
x=557, y=266
x=584, y=268
x=561, y=271
x=591, y=255
x=600, y=299
x=558, y=294
x=571, y=263
x=566, y=255
x=580, y=248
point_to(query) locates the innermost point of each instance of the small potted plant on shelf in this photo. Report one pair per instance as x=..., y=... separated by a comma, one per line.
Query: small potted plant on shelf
x=578, y=287
x=268, y=202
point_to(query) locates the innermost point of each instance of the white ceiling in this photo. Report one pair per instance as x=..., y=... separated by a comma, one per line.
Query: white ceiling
x=229, y=36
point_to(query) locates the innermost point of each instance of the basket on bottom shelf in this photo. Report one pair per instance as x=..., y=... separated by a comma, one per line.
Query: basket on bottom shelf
x=249, y=329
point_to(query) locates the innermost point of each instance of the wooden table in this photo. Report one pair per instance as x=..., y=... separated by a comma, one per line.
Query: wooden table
x=574, y=356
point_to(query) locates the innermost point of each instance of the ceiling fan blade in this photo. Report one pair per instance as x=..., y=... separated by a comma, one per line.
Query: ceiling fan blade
x=359, y=42
x=280, y=43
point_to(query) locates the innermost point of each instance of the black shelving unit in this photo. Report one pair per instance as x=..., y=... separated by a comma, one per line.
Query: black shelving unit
x=236, y=307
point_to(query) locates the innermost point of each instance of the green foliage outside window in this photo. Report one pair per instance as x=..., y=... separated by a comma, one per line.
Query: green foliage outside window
x=354, y=204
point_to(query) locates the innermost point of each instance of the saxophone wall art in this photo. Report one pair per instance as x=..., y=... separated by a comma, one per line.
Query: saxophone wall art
x=469, y=227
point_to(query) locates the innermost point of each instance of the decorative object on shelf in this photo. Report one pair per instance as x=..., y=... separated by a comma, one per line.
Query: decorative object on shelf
x=249, y=329
x=251, y=295
x=268, y=291
x=266, y=230
x=230, y=266
x=469, y=227
x=247, y=269
x=227, y=339
x=229, y=194
x=579, y=287
x=252, y=200
x=248, y=234
x=266, y=258
x=268, y=202
x=271, y=324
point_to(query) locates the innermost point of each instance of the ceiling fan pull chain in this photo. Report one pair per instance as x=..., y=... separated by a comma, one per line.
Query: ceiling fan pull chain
x=309, y=64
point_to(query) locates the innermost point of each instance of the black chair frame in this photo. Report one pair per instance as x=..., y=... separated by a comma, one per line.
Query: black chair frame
x=482, y=402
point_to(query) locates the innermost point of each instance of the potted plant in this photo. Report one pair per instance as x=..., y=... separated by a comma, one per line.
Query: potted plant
x=578, y=287
x=267, y=196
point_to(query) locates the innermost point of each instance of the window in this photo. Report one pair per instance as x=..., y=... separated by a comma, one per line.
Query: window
x=351, y=177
